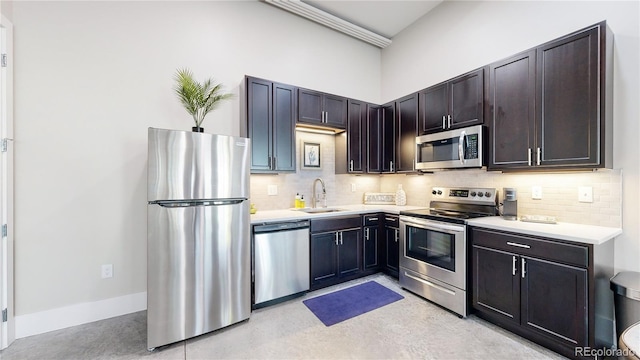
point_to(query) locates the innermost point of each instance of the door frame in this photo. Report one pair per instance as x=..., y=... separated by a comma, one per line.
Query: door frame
x=7, y=329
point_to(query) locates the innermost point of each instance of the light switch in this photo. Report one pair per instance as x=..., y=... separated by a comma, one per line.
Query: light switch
x=585, y=194
x=272, y=190
x=536, y=192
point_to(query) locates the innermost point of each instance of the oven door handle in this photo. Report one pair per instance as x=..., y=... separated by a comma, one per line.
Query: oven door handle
x=432, y=226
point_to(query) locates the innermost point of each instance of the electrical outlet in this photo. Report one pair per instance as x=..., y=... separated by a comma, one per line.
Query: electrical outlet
x=272, y=190
x=536, y=192
x=353, y=187
x=585, y=194
x=107, y=271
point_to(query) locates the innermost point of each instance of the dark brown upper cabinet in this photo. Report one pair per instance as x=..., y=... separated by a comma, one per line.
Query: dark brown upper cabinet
x=351, y=145
x=407, y=130
x=512, y=85
x=374, y=140
x=562, y=117
x=381, y=138
x=388, y=137
x=456, y=103
x=271, y=111
x=321, y=109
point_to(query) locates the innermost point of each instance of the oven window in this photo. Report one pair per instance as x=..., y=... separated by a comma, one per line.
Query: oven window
x=432, y=247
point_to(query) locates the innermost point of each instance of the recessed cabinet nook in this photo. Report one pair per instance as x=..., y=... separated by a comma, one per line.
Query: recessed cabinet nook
x=545, y=109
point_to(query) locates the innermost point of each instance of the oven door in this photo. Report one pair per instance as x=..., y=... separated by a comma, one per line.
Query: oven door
x=434, y=249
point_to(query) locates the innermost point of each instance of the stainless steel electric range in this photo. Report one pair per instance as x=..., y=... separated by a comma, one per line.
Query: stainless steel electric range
x=433, y=244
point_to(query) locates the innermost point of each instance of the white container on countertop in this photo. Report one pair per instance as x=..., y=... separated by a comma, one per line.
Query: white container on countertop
x=401, y=196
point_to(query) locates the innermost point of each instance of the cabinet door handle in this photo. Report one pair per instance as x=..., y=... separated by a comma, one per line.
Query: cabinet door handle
x=350, y=165
x=523, y=268
x=373, y=219
x=366, y=234
x=390, y=219
x=390, y=166
x=518, y=245
x=514, y=268
x=397, y=234
x=538, y=156
x=448, y=121
x=529, y=156
x=336, y=238
x=340, y=237
x=444, y=122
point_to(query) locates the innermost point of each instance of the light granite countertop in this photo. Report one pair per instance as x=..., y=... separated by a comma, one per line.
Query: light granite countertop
x=588, y=234
x=292, y=214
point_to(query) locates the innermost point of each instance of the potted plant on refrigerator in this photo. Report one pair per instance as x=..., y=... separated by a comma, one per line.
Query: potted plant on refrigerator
x=198, y=99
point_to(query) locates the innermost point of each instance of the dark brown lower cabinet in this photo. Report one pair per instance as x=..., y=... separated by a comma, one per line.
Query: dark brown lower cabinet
x=391, y=251
x=540, y=288
x=336, y=250
x=371, y=242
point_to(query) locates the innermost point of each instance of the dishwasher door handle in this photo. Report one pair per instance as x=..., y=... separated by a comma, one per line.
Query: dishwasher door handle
x=281, y=226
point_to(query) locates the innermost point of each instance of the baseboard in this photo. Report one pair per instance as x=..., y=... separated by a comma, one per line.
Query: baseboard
x=64, y=317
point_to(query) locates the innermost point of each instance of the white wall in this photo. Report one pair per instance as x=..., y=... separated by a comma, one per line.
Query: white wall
x=91, y=77
x=459, y=36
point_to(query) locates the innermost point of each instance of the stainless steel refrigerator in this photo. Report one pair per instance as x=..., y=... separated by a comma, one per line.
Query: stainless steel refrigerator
x=198, y=234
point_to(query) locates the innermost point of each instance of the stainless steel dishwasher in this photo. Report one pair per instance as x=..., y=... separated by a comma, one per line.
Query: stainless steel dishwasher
x=280, y=261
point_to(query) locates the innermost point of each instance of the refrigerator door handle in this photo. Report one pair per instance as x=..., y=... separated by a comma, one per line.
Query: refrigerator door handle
x=187, y=203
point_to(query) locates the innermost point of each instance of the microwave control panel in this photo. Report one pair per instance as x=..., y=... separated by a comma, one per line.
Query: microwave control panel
x=471, y=148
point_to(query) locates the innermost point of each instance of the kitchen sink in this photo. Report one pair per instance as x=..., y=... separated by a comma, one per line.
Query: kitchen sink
x=319, y=210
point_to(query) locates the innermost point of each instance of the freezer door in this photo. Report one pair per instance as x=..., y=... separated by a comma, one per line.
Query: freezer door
x=188, y=165
x=198, y=270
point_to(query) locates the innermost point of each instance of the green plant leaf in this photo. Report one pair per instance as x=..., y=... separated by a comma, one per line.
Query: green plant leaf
x=199, y=99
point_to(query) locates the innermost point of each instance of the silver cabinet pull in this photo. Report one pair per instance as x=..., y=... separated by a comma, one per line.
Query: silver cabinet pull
x=529, y=157
x=518, y=245
x=449, y=121
x=373, y=219
x=391, y=166
x=340, y=237
x=397, y=234
x=514, y=269
x=337, y=238
x=350, y=165
x=538, y=156
x=523, y=268
x=389, y=219
x=366, y=234
x=444, y=123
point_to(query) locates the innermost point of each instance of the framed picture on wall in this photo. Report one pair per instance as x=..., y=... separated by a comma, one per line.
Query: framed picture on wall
x=311, y=156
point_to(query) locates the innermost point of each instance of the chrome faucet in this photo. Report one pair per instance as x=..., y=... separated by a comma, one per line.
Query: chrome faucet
x=314, y=197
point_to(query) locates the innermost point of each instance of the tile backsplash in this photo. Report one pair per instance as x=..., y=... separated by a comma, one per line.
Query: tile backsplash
x=559, y=190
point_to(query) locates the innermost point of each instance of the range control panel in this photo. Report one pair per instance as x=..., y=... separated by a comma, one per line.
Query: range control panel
x=459, y=194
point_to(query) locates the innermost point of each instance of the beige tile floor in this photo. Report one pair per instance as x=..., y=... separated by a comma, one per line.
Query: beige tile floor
x=411, y=328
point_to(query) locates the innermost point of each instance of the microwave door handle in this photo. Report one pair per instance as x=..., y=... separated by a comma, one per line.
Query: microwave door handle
x=461, y=141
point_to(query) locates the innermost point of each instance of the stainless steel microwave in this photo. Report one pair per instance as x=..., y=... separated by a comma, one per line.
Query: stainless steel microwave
x=459, y=148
